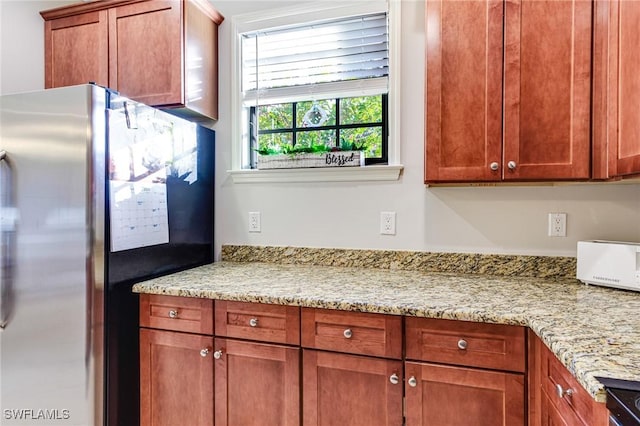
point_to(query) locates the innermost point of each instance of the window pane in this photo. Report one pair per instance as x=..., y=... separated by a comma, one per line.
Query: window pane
x=370, y=136
x=278, y=116
x=314, y=114
x=366, y=109
x=316, y=137
x=275, y=141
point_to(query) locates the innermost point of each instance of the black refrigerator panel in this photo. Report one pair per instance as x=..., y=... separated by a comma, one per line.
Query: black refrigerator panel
x=160, y=221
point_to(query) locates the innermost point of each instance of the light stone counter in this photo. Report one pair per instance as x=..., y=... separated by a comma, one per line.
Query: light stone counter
x=594, y=331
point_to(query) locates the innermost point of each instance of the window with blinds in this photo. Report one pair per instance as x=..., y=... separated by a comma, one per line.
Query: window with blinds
x=348, y=50
x=335, y=70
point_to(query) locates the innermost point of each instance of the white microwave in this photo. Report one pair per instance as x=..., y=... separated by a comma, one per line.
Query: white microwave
x=609, y=263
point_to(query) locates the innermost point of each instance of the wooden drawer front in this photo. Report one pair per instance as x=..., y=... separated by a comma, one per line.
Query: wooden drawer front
x=575, y=402
x=176, y=313
x=495, y=346
x=256, y=321
x=352, y=332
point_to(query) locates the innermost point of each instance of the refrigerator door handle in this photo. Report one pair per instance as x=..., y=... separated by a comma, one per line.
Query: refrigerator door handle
x=7, y=224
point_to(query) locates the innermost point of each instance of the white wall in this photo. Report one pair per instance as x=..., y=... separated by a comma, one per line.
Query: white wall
x=22, y=44
x=346, y=215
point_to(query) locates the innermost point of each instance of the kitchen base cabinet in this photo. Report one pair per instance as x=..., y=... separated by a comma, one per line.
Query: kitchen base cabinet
x=340, y=389
x=441, y=394
x=256, y=384
x=555, y=396
x=461, y=372
x=176, y=379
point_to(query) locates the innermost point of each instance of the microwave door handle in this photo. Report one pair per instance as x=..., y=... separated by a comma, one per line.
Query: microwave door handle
x=7, y=238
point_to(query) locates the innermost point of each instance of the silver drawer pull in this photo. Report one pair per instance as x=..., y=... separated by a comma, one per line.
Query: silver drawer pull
x=347, y=333
x=413, y=382
x=204, y=352
x=253, y=322
x=173, y=314
x=562, y=392
x=394, y=379
x=217, y=354
x=462, y=344
x=494, y=166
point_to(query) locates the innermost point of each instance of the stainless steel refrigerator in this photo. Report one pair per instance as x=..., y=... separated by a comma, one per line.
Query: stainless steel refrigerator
x=97, y=192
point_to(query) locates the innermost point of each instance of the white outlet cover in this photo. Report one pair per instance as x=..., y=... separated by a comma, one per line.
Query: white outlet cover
x=388, y=223
x=557, y=225
x=254, y=222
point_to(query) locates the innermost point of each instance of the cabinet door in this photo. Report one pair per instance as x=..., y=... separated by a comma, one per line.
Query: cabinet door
x=76, y=50
x=547, y=89
x=176, y=380
x=256, y=384
x=551, y=416
x=463, y=90
x=343, y=389
x=145, y=51
x=448, y=395
x=624, y=88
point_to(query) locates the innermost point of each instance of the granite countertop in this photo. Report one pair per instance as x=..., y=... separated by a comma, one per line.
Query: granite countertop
x=594, y=331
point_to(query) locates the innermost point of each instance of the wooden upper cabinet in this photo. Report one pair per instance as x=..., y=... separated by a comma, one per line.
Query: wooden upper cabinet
x=547, y=90
x=623, y=124
x=76, y=50
x=517, y=109
x=145, y=47
x=463, y=90
x=163, y=53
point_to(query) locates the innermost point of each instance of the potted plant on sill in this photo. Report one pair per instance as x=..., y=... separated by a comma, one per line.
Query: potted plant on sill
x=317, y=155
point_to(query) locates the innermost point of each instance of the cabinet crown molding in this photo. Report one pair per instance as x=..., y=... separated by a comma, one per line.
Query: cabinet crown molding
x=94, y=6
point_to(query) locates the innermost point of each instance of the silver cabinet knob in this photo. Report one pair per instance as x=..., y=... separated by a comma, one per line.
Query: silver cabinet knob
x=394, y=379
x=413, y=382
x=217, y=354
x=253, y=322
x=462, y=344
x=562, y=392
x=204, y=352
x=173, y=314
x=512, y=165
x=348, y=333
x=494, y=166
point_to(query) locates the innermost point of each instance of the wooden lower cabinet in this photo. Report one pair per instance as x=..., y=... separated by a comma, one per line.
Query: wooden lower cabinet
x=348, y=369
x=451, y=395
x=340, y=389
x=256, y=384
x=176, y=381
x=551, y=416
x=555, y=396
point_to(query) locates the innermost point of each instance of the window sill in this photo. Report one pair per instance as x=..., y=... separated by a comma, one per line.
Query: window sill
x=324, y=174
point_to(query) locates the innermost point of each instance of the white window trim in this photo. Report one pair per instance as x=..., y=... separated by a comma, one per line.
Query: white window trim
x=318, y=11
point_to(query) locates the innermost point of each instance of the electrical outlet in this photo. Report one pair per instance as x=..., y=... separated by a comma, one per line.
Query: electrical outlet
x=388, y=223
x=254, y=222
x=557, y=224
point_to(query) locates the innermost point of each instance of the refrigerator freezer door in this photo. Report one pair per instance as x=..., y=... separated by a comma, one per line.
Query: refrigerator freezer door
x=51, y=344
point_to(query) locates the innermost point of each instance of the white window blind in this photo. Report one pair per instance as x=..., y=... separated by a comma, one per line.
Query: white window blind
x=337, y=58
